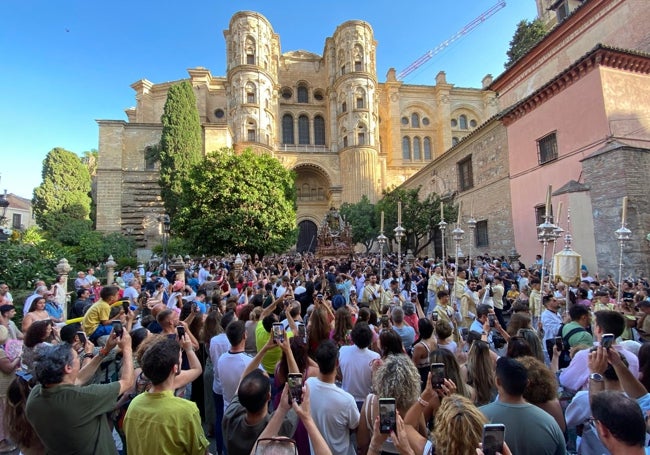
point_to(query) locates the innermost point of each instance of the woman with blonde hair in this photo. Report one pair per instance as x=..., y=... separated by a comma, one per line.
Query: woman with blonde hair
x=396, y=378
x=479, y=372
x=459, y=426
x=533, y=341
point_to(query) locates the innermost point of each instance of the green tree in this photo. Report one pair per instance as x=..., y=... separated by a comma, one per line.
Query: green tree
x=180, y=143
x=362, y=217
x=238, y=202
x=419, y=217
x=63, y=196
x=526, y=36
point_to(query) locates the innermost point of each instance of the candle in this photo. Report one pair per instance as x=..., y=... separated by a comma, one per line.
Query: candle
x=460, y=205
x=624, y=215
x=442, y=211
x=548, y=201
x=399, y=212
x=471, y=209
x=382, y=221
x=559, y=214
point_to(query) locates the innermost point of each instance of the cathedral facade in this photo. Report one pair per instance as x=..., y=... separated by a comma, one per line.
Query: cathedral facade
x=327, y=117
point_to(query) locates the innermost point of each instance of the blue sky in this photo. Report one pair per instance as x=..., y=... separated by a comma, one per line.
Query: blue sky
x=66, y=63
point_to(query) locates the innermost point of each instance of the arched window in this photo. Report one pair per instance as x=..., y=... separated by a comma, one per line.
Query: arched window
x=250, y=50
x=427, y=148
x=462, y=121
x=344, y=107
x=251, y=97
x=417, y=151
x=319, y=130
x=303, y=129
x=415, y=120
x=287, y=129
x=251, y=131
x=406, y=148
x=303, y=95
x=358, y=58
x=360, y=98
x=361, y=134
x=342, y=61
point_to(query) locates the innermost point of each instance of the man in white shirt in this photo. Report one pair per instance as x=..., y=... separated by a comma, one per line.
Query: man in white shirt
x=232, y=363
x=219, y=345
x=355, y=363
x=551, y=320
x=576, y=375
x=333, y=409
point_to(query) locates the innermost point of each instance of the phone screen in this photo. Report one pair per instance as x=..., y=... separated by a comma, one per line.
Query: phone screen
x=493, y=437
x=295, y=386
x=559, y=344
x=302, y=332
x=181, y=331
x=278, y=332
x=117, y=328
x=437, y=375
x=384, y=320
x=434, y=317
x=464, y=331
x=82, y=337
x=607, y=341
x=387, y=415
x=491, y=318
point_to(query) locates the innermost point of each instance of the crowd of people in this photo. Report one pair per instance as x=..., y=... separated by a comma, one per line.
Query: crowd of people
x=299, y=354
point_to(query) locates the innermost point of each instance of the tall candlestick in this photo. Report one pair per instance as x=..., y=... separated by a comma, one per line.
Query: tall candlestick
x=382, y=221
x=624, y=214
x=460, y=205
x=471, y=209
x=559, y=214
x=548, y=201
x=399, y=212
x=442, y=211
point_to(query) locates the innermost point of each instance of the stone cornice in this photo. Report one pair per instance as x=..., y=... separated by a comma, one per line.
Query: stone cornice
x=604, y=56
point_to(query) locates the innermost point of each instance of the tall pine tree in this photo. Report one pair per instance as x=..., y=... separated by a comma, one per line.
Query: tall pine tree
x=180, y=145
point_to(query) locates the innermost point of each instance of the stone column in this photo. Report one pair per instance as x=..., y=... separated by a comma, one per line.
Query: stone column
x=110, y=270
x=63, y=268
x=179, y=267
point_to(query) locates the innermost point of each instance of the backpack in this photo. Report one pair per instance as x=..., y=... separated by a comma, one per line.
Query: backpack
x=565, y=356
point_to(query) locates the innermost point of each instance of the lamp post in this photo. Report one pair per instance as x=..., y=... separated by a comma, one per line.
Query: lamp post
x=165, y=220
x=545, y=233
x=381, y=238
x=4, y=203
x=399, y=233
x=471, y=224
x=623, y=234
x=457, y=235
x=443, y=228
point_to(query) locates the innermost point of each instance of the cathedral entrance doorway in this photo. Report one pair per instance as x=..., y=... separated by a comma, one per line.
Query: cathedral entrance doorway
x=307, y=239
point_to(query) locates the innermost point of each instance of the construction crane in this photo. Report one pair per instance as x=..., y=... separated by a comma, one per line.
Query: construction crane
x=462, y=32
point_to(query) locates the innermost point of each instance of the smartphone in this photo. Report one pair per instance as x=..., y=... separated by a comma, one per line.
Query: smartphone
x=607, y=340
x=82, y=337
x=295, y=387
x=181, y=331
x=384, y=321
x=437, y=375
x=559, y=344
x=125, y=305
x=464, y=332
x=493, y=437
x=491, y=318
x=278, y=332
x=434, y=317
x=387, y=415
x=117, y=328
x=302, y=332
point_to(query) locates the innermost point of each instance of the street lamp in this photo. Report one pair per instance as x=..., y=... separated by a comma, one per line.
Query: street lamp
x=545, y=233
x=457, y=235
x=382, y=239
x=4, y=203
x=471, y=224
x=443, y=227
x=164, y=219
x=399, y=234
